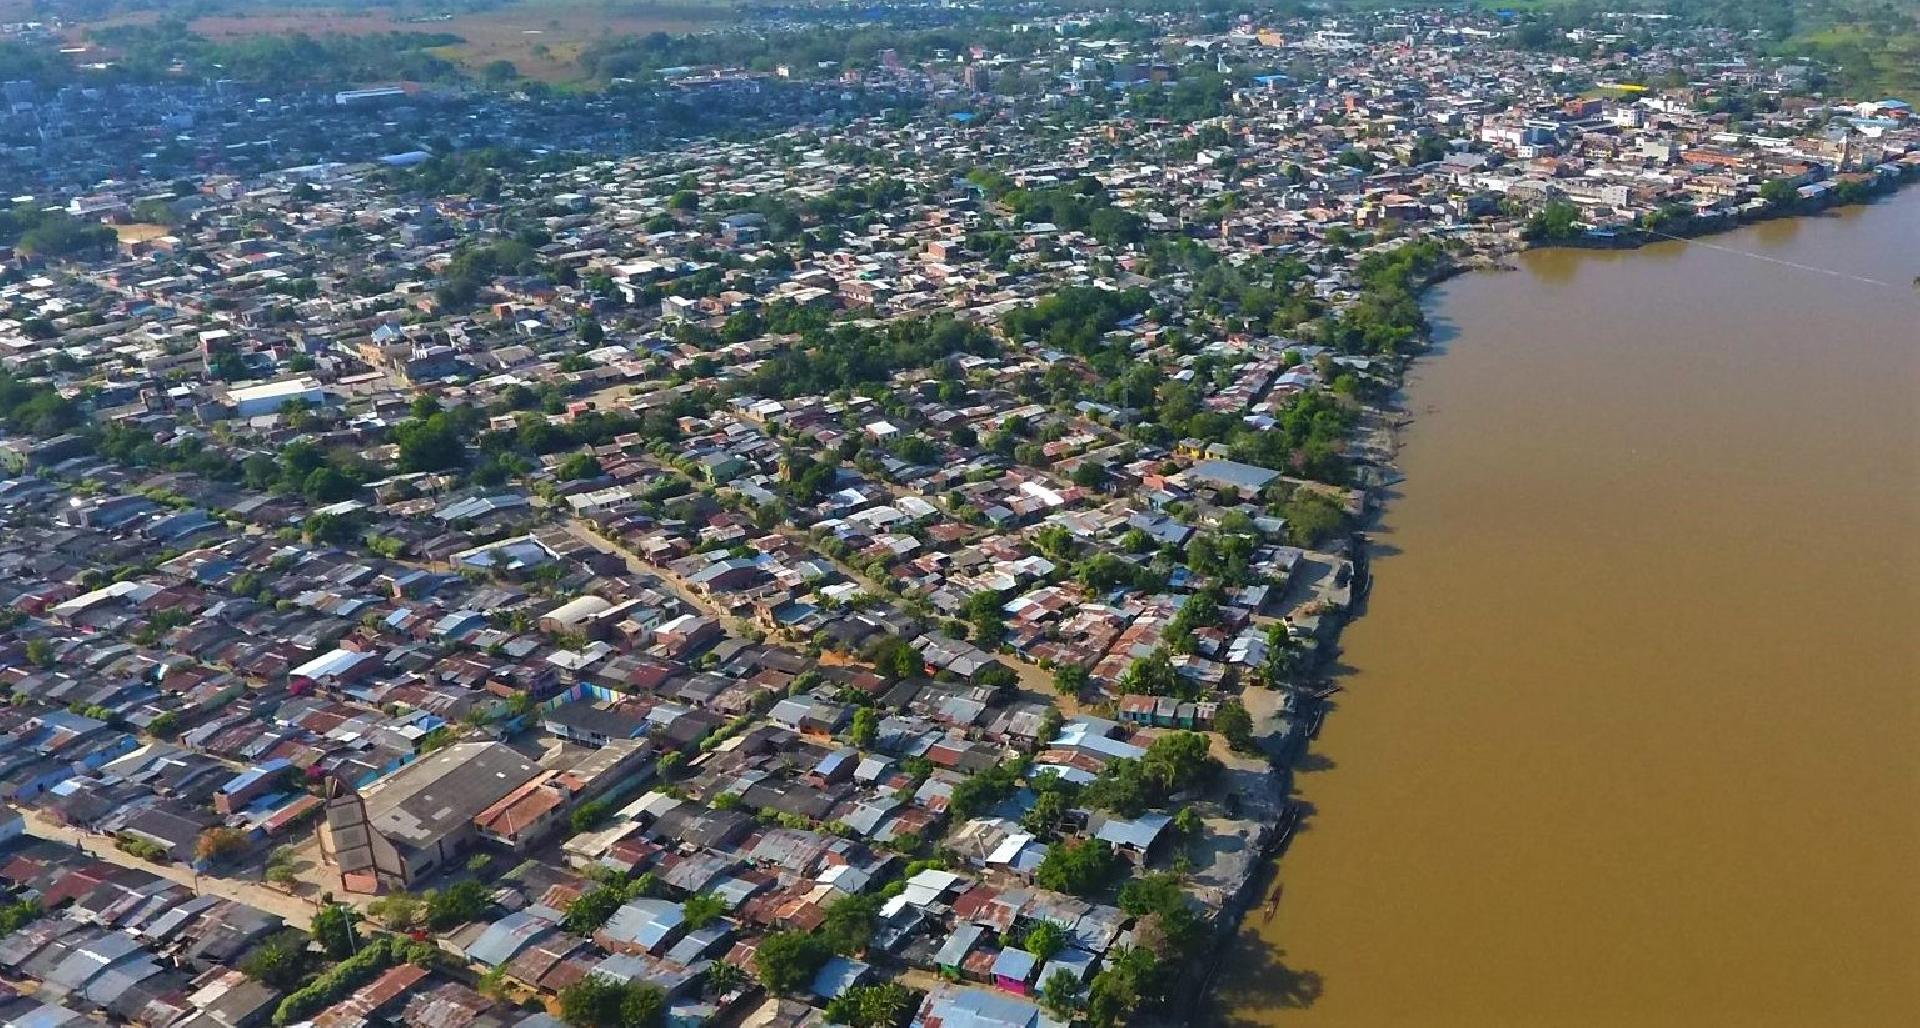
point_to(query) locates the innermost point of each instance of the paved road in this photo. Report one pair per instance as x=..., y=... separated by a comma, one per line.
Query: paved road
x=295, y=910
x=585, y=533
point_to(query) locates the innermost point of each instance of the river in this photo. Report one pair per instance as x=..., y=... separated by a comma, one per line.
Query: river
x=1630, y=734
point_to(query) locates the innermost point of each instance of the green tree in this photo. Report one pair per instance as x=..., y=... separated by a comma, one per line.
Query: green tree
x=15, y=916
x=280, y=961
x=1081, y=868
x=982, y=611
x=866, y=726
x=1060, y=994
x=1235, y=725
x=1044, y=940
x=457, y=904
x=398, y=911
x=701, y=910
x=723, y=978
x=1558, y=221
x=788, y=960
x=333, y=928
x=577, y=467
x=1313, y=517
x=1779, y=192
x=882, y=1005
x=597, y=1001
x=850, y=923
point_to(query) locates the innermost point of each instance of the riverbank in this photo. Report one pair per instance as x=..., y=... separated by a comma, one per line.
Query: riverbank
x=1699, y=226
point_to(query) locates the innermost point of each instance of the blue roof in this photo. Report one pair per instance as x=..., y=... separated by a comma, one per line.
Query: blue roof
x=506, y=937
x=958, y=945
x=645, y=922
x=837, y=976
x=1076, y=962
x=1137, y=833
x=252, y=775
x=1232, y=472
x=1016, y=964
x=980, y=1008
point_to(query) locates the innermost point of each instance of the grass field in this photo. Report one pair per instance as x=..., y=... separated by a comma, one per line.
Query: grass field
x=1873, y=62
x=540, y=37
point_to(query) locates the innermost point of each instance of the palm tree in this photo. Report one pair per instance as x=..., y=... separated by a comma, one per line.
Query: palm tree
x=723, y=978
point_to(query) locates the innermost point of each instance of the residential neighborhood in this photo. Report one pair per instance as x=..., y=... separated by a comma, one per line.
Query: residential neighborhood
x=876, y=559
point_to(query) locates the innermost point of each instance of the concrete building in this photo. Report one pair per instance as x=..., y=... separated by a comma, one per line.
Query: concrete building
x=411, y=823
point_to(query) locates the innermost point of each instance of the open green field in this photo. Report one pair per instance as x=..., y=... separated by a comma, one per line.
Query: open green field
x=541, y=38
x=1871, y=60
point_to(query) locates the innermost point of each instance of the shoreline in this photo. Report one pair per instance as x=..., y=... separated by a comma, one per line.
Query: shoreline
x=1263, y=886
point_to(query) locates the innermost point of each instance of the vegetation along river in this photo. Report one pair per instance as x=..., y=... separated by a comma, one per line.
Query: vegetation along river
x=1630, y=733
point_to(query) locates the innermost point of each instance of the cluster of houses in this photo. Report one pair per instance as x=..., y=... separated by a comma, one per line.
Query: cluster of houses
x=716, y=605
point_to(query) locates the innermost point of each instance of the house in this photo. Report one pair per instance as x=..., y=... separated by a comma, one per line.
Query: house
x=959, y=1006
x=1132, y=838
x=1227, y=474
x=592, y=724
x=1013, y=970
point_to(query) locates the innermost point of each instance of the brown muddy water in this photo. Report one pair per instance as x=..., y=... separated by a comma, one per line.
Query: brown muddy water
x=1631, y=736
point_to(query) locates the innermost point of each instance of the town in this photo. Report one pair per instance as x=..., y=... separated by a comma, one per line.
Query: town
x=754, y=547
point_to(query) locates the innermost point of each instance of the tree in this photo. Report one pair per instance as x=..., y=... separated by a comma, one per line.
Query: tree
x=589, y=815
x=499, y=73
x=866, y=727
x=701, y=910
x=1070, y=679
x=1152, y=893
x=1088, y=475
x=578, y=466
x=1779, y=192
x=723, y=978
x=398, y=911
x=597, y=1001
x=1044, y=940
x=982, y=611
x=15, y=916
x=871, y=1006
x=1187, y=822
x=219, y=844
x=1111, y=998
x=895, y=659
x=1081, y=868
x=1048, y=813
x=280, y=961
x=333, y=929
x=850, y=923
x=40, y=653
x=457, y=904
x=1153, y=675
x=1313, y=517
x=591, y=909
x=1235, y=725
x=1060, y=994
x=430, y=444
x=1558, y=221
x=787, y=961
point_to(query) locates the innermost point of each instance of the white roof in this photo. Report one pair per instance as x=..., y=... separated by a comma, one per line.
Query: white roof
x=274, y=390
